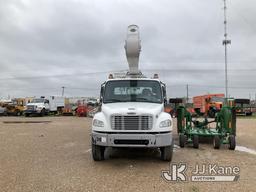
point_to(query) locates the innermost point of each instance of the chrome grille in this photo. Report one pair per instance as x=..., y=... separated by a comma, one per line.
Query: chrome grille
x=142, y=122
x=31, y=107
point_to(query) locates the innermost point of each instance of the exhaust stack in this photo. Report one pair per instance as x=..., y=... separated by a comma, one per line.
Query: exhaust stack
x=133, y=48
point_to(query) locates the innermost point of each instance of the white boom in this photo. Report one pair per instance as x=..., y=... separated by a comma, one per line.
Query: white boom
x=133, y=48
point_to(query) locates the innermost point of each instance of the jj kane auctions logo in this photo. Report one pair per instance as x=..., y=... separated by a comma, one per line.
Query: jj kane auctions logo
x=201, y=173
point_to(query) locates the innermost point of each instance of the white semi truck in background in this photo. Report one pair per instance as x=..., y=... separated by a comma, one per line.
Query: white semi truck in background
x=131, y=112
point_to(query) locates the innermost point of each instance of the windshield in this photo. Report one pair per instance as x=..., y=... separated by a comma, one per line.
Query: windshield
x=132, y=91
x=37, y=101
x=218, y=99
x=244, y=105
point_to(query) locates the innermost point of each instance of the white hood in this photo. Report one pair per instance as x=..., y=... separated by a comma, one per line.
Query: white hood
x=156, y=110
x=132, y=108
x=35, y=104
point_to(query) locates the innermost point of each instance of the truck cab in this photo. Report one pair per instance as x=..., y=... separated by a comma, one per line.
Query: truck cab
x=131, y=114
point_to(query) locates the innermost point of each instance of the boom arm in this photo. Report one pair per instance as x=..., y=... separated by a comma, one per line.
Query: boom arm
x=133, y=48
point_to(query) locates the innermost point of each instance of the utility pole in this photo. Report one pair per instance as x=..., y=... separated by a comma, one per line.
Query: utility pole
x=63, y=89
x=187, y=93
x=225, y=42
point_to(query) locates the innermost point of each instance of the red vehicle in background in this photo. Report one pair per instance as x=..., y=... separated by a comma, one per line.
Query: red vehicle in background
x=208, y=104
x=82, y=109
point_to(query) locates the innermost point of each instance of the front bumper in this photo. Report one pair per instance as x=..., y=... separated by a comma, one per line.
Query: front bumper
x=31, y=112
x=132, y=139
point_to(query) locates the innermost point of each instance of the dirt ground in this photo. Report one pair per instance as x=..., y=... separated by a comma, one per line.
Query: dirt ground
x=55, y=156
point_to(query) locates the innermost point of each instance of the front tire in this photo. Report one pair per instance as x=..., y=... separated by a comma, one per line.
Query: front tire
x=166, y=153
x=196, y=141
x=211, y=113
x=216, y=142
x=98, y=152
x=42, y=113
x=232, y=142
x=17, y=113
x=182, y=140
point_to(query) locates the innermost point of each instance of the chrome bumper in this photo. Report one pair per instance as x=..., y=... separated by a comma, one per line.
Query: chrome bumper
x=132, y=139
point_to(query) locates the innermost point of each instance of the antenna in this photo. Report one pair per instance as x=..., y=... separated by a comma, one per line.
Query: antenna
x=225, y=42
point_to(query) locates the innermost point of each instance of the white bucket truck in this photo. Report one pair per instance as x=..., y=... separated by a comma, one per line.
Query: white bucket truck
x=131, y=112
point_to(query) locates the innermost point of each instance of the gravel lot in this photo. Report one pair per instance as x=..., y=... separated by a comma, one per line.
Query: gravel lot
x=56, y=156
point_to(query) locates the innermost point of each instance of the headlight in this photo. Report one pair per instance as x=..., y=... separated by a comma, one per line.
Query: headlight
x=166, y=123
x=98, y=123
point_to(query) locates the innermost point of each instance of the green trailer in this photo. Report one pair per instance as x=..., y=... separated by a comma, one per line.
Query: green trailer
x=223, y=132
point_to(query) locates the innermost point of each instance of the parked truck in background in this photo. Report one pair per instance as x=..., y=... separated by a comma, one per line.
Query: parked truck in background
x=43, y=106
x=14, y=106
x=208, y=104
x=69, y=107
x=131, y=111
x=3, y=111
x=18, y=107
x=243, y=107
x=92, y=102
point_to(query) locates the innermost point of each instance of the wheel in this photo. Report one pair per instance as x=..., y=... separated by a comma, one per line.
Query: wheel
x=42, y=112
x=216, y=142
x=195, y=141
x=26, y=115
x=182, y=140
x=17, y=113
x=211, y=113
x=98, y=152
x=232, y=142
x=166, y=153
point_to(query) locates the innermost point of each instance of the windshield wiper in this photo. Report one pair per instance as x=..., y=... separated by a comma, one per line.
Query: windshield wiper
x=114, y=100
x=142, y=99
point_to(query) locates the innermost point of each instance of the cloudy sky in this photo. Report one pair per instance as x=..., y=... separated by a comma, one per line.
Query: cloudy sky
x=47, y=44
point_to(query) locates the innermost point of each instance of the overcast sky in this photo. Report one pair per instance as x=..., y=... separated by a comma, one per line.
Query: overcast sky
x=47, y=44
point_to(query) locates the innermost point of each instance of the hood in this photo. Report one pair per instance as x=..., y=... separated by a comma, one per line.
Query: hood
x=35, y=104
x=132, y=108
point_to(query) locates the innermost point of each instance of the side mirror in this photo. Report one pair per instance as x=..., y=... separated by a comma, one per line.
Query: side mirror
x=101, y=94
x=165, y=101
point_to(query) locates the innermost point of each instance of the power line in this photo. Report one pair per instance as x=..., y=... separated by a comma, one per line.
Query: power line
x=145, y=70
x=212, y=86
x=59, y=75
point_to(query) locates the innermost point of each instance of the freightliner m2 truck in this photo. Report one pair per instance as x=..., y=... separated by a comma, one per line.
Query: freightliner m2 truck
x=131, y=111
